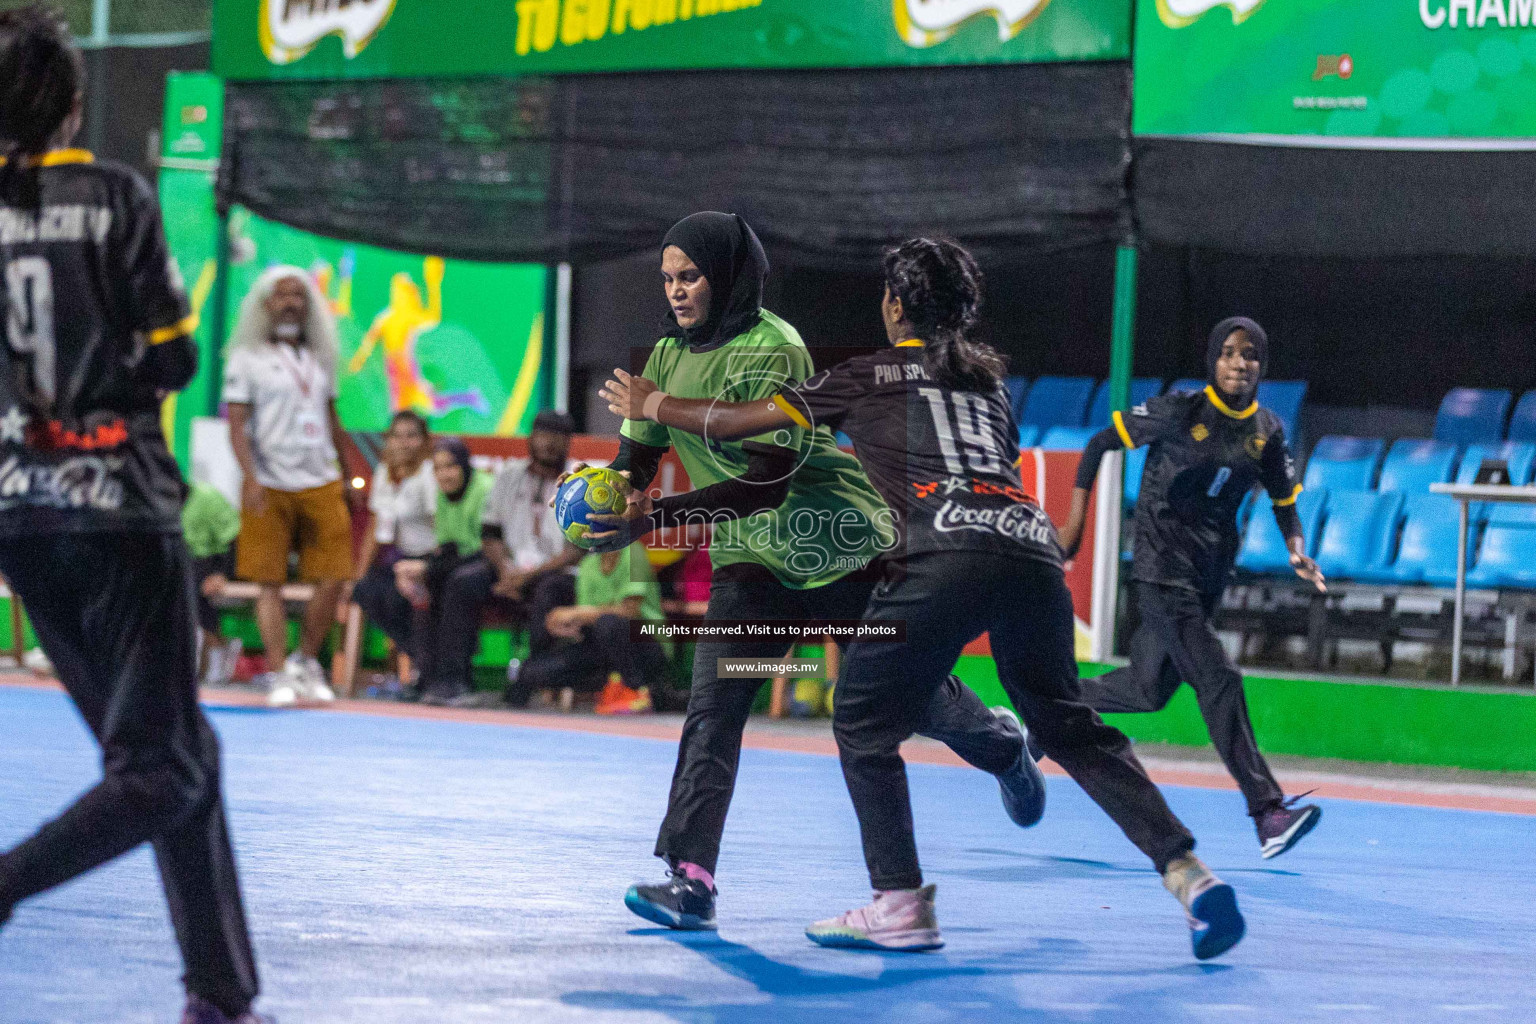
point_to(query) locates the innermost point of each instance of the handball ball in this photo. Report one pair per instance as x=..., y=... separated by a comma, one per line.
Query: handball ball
x=594, y=490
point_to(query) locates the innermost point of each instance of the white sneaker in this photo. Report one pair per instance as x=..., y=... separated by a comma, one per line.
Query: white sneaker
x=901, y=920
x=308, y=677
x=281, y=691
x=222, y=662
x=36, y=661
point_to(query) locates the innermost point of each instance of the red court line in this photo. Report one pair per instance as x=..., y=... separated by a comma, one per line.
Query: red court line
x=917, y=752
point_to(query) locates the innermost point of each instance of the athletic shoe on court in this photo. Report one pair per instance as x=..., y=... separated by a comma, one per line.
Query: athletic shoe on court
x=1023, y=785
x=308, y=677
x=1210, y=905
x=222, y=661
x=1282, y=826
x=901, y=920
x=683, y=903
x=280, y=687
x=200, y=1011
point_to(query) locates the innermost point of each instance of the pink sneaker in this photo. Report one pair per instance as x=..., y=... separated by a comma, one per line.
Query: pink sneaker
x=900, y=919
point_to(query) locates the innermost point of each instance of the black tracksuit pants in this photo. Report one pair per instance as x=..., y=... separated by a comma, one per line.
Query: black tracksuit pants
x=114, y=613
x=947, y=600
x=1176, y=642
x=454, y=632
x=710, y=748
x=605, y=646
x=380, y=600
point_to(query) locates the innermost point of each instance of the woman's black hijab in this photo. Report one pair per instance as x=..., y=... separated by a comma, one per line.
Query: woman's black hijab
x=460, y=454
x=728, y=253
x=1222, y=331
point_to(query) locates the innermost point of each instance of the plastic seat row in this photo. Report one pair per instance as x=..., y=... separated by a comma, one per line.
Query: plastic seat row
x=1082, y=402
x=1357, y=463
x=1479, y=415
x=1388, y=537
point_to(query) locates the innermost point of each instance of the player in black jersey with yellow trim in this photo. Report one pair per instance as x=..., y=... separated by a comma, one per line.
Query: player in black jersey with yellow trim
x=1209, y=449
x=96, y=329
x=930, y=422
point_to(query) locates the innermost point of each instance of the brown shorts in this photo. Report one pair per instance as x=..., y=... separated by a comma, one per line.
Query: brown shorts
x=315, y=522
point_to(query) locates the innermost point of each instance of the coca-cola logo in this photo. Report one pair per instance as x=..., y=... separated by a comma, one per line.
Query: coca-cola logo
x=290, y=28
x=1025, y=523
x=925, y=23
x=86, y=481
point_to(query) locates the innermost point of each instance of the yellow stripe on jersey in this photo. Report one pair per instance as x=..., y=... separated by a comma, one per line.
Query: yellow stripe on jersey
x=1281, y=502
x=1125, y=435
x=789, y=410
x=1227, y=410
x=909, y=343
x=183, y=327
x=55, y=157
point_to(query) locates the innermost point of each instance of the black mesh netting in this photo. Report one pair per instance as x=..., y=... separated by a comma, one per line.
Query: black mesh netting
x=828, y=166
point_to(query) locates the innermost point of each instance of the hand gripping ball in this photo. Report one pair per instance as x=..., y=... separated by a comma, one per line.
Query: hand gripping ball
x=594, y=490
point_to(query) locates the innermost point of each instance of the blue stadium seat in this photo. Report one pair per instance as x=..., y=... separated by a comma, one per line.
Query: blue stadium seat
x=1426, y=550
x=1358, y=533
x=1028, y=435
x=1344, y=463
x=1505, y=513
x=1186, y=385
x=1017, y=388
x=1472, y=415
x=1135, y=462
x=1067, y=439
x=1263, y=548
x=1411, y=466
x=1522, y=425
x=1142, y=388
x=1057, y=402
x=1284, y=398
x=1506, y=559
x=1519, y=455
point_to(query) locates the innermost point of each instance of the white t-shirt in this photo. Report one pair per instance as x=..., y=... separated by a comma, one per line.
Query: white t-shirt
x=519, y=504
x=289, y=395
x=403, y=513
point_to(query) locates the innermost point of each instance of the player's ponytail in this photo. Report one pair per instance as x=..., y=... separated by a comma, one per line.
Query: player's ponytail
x=940, y=288
x=41, y=75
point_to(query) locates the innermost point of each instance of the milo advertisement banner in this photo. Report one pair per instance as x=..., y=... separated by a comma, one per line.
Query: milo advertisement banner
x=257, y=39
x=1406, y=69
x=461, y=343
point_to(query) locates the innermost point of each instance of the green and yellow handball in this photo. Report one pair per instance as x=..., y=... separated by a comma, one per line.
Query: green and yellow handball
x=595, y=490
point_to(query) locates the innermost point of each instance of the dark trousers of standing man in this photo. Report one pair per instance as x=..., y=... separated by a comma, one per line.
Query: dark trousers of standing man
x=455, y=628
x=947, y=600
x=710, y=749
x=1176, y=642
x=114, y=613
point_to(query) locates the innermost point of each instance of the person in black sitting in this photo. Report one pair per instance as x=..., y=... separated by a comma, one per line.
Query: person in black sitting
x=1208, y=450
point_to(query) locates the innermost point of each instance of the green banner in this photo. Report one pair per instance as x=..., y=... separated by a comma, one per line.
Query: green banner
x=1393, y=68
x=461, y=343
x=258, y=39
x=192, y=129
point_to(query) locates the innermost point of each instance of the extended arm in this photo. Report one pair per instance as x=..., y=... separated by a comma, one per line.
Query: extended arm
x=629, y=396
x=1106, y=440
x=1289, y=522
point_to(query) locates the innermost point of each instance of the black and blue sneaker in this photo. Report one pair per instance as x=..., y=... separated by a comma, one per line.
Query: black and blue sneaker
x=683, y=903
x=1023, y=785
x=1210, y=905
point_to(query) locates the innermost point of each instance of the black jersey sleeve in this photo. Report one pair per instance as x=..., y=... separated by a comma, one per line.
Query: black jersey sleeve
x=156, y=298
x=1277, y=470
x=823, y=399
x=1152, y=420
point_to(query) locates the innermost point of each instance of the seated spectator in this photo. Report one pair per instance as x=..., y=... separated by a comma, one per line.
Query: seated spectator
x=461, y=496
x=524, y=568
x=210, y=525
x=612, y=589
x=403, y=504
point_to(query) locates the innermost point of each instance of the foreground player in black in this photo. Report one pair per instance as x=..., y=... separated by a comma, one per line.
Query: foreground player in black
x=930, y=421
x=1209, y=449
x=96, y=331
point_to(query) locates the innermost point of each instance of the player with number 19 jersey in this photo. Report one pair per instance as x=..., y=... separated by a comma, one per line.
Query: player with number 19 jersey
x=946, y=461
x=81, y=445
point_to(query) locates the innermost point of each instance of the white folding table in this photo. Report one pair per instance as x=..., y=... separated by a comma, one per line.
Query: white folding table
x=1465, y=495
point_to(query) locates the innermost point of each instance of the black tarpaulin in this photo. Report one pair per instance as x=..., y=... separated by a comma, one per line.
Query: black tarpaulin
x=829, y=166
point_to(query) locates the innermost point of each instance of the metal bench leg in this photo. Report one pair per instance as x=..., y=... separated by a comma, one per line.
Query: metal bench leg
x=344, y=661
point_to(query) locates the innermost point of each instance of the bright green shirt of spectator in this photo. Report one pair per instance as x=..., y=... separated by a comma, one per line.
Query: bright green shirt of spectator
x=630, y=576
x=458, y=522
x=832, y=522
x=209, y=522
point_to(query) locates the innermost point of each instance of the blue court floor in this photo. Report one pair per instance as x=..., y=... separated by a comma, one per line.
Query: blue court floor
x=404, y=870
